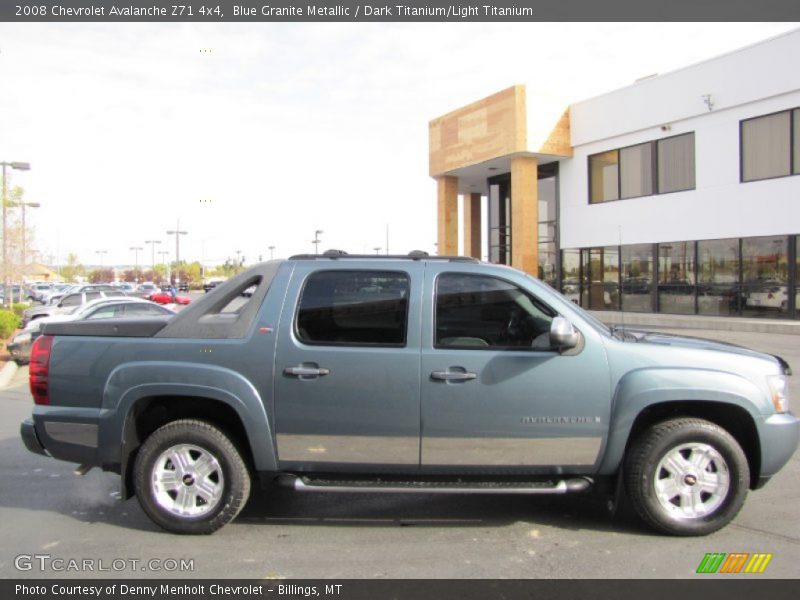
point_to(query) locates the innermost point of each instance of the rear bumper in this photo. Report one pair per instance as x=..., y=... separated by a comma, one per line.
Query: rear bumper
x=27, y=431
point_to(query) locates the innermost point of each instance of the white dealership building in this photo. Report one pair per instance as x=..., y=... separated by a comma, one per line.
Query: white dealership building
x=677, y=194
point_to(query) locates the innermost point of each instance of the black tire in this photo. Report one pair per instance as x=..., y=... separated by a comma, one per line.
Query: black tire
x=228, y=478
x=692, y=510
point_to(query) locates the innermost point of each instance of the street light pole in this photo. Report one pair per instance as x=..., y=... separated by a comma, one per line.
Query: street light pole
x=271, y=251
x=152, y=252
x=19, y=166
x=316, y=240
x=377, y=249
x=101, y=252
x=136, y=262
x=164, y=254
x=177, y=233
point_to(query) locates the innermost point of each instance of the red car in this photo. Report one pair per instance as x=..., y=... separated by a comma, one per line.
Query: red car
x=165, y=298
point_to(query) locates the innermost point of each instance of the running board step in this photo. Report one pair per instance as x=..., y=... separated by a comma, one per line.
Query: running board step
x=562, y=486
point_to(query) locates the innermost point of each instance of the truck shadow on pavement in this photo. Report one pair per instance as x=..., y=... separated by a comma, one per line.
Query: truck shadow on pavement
x=38, y=483
x=588, y=511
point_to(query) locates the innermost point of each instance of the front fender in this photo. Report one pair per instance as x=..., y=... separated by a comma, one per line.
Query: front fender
x=132, y=382
x=643, y=388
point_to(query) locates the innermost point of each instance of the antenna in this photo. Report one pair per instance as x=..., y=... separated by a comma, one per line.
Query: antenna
x=621, y=295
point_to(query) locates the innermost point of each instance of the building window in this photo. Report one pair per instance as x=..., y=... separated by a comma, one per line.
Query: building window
x=636, y=170
x=767, y=146
x=604, y=177
x=750, y=277
x=718, y=277
x=796, y=137
x=637, y=278
x=354, y=308
x=659, y=167
x=765, y=277
x=600, y=278
x=499, y=207
x=676, y=163
x=571, y=275
x=797, y=277
x=548, y=223
x=676, y=289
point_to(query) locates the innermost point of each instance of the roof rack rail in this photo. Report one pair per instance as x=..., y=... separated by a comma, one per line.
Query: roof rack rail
x=413, y=255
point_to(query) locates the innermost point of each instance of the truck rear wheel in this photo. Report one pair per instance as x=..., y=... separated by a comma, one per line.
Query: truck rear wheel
x=687, y=476
x=190, y=478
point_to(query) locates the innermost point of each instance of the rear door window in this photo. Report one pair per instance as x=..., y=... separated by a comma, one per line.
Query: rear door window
x=354, y=308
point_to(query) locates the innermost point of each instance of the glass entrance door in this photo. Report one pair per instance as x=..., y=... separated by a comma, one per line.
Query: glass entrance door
x=500, y=220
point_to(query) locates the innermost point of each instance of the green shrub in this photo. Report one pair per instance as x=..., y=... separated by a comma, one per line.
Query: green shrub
x=9, y=322
x=18, y=307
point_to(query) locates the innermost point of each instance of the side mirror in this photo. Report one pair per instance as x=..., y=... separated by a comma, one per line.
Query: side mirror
x=563, y=334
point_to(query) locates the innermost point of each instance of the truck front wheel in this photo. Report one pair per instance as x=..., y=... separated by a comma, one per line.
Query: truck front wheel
x=686, y=476
x=190, y=478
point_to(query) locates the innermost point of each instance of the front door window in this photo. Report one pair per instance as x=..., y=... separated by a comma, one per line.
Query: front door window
x=475, y=311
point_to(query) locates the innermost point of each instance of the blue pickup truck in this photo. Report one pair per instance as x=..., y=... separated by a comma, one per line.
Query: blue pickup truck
x=406, y=374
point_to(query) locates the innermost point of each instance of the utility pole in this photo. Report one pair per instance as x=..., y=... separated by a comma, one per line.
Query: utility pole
x=101, y=253
x=136, y=262
x=177, y=233
x=164, y=254
x=152, y=252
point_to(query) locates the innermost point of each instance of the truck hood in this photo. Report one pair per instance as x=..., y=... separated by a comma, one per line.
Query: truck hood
x=695, y=343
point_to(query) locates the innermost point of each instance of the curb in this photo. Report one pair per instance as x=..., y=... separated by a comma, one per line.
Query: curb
x=714, y=323
x=7, y=373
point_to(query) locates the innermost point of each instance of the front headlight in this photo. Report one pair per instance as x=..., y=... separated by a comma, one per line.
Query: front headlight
x=779, y=390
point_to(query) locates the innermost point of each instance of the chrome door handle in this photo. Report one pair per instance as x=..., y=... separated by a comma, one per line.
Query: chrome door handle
x=453, y=376
x=306, y=371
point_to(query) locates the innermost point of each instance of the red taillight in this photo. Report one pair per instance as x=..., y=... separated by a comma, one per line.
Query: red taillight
x=39, y=370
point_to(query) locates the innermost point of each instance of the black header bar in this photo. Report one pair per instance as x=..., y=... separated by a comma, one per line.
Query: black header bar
x=397, y=11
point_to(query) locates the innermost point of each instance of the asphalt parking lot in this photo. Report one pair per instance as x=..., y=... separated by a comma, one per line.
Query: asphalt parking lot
x=46, y=510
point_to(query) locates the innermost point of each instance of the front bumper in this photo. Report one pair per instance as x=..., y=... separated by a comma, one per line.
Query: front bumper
x=780, y=435
x=27, y=431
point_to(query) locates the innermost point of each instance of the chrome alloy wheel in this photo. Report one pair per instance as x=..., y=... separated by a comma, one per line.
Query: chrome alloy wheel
x=692, y=481
x=187, y=481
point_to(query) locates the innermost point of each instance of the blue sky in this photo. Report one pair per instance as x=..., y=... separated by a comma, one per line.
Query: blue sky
x=277, y=130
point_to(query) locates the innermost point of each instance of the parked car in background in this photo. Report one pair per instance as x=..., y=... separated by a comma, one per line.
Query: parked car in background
x=166, y=298
x=102, y=308
x=771, y=295
x=211, y=283
x=36, y=291
x=79, y=287
x=57, y=290
x=67, y=304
